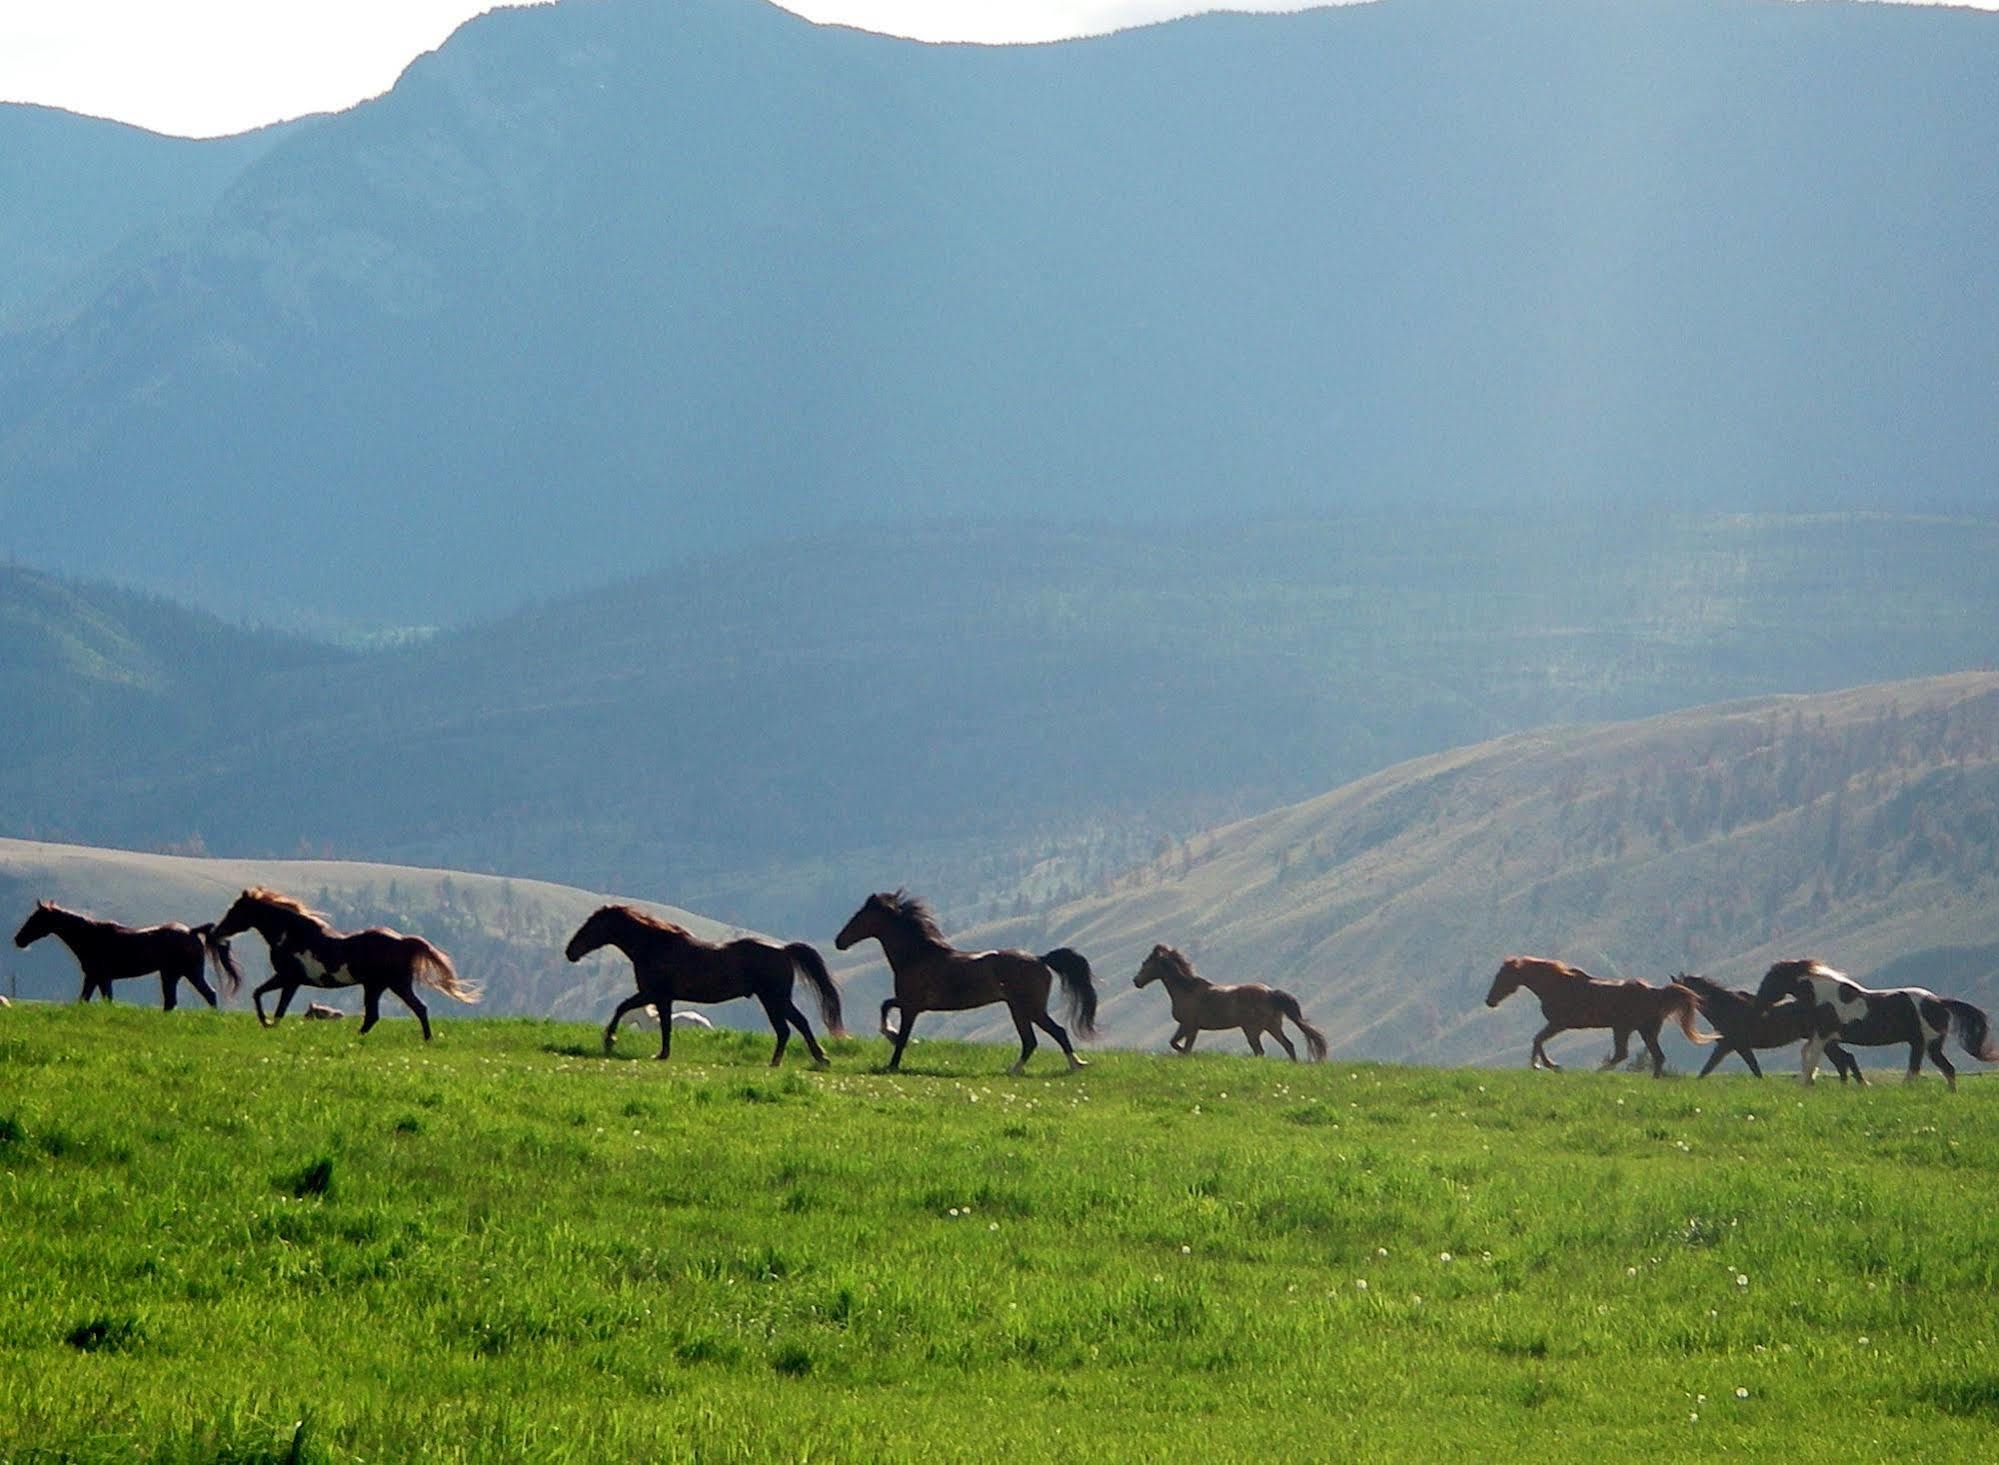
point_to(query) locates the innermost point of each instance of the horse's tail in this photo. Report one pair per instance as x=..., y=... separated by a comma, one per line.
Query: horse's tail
x=809, y=961
x=1974, y=1030
x=434, y=969
x=1315, y=1041
x=216, y=948
x=1076, y=981
x=1681, y=1005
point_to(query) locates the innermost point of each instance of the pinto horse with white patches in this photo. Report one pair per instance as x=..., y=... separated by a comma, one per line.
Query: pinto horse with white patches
x=1866, y=1017
x=1572, y=998
x=307, y=952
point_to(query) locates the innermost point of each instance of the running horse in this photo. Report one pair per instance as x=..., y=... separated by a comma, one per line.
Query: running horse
x=108, y=952
x=1199, y=1004
x=1572, y=998
x=306, y=952
x=933, y=976
x=670, y=964
x=1742, y=1027
x=1867, y=1017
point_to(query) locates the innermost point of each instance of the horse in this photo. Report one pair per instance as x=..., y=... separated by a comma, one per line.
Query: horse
x=108, y=952
x=1572, y=998
x=671, y=964
x=1742, y=1027
x=1199, y=1003
x=1869, y=1018
x=933, y=976
x=307, y=952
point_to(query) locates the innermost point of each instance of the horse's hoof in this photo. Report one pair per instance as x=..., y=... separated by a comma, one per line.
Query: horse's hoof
x=1018, y=1069
x=1076, y=1063
x=820, y=1065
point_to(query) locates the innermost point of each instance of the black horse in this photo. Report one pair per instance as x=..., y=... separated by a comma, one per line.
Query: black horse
x=671, y=964
x=108, y=952
x=1867, y=1018
x=1743, y=1027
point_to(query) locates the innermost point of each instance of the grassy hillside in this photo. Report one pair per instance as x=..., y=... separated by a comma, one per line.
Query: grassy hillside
x=1861, y=827
x=228, y=1244
x=504, y=934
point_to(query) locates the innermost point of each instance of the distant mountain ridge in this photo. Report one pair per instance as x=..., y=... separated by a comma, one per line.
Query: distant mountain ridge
x=601, y=285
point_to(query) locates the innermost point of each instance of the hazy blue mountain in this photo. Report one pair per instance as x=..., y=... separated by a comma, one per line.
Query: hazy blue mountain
x=598, y=285
x=1002, y=717
x=82, y=200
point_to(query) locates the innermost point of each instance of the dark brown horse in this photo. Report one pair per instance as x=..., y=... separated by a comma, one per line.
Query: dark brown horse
x=1742, y=1027
x=1572, y=998
x=933, y=976
x=108, y=952
x=673, y=965
x=1199, y=1004
x=306, y=952
x=1868, y=1017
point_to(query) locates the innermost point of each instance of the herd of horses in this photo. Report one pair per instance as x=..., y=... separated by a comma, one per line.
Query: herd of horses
x=1799, y=1002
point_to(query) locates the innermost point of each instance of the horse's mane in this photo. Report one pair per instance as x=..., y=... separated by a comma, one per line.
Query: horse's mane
x=1170, y=957
x=1559, y=968
x=647, y=919
x=1709, y=990
x=911, y=911
x=264, y=895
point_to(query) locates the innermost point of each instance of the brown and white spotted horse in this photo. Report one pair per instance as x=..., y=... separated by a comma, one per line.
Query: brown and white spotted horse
x=306, y=952
x=1866, y=1017
x=108, y=952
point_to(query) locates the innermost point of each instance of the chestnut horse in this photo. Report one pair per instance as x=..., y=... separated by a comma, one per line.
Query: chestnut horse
x=672, y=965
x=1742, y=1027
x=1572, y=998
x=306, y=952
x=1866, y=1017
x=933, y=976
x=108, y=952
x=1199, y=1003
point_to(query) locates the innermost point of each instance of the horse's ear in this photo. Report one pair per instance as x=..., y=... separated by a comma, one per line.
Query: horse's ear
x=45, y=905
x=1160, y=949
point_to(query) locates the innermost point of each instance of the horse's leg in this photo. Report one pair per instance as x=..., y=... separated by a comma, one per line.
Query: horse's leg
x=1276, y=1030
x=371, y=1005
x=169, y=991
x=1024, y=1025
x=1060, y=1034
x=1915, y=1060
x=1942, y=1063
x=1721, y=1052
x=1538, y=1056
x=637, y=999
x=1809, y=1059
x=903, y=1028
x=1651, y=1037
x=1749, y=1057
x=1846, y=1063
x=1182, y=1042
x=199, y=981
x=1254, y=1037
x=284, y=1001
x=797, y=1020
x=406, y=989
x=665, y=1030
x=1622, y=1051
x=780, y=1023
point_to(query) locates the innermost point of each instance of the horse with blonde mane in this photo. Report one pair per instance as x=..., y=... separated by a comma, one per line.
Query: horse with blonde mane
x=1572, y=998
x=1199, y=1004
x=307, y=952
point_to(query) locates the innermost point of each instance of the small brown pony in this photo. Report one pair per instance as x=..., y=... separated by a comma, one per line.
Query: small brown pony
x=1199, y=1003
x=306, y=952
x=108, y=952
x=672, y=965
x=933, y=976
x=1572, y=998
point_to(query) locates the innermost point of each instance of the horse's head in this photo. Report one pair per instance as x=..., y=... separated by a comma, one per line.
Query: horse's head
x=592, y=934
x=1156, y=967
x=1512, y=972
x=243, y=915
x=868, y=921
x=40, y=922
x=1785, y=979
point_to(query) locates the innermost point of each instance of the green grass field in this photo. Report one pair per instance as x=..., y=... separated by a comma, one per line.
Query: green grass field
x=220, y=1243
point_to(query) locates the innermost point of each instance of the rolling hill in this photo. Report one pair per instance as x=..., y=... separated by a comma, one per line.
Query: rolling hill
x=600, y=285
x=505, y=934
x=1861, y=827
x=1004, y=717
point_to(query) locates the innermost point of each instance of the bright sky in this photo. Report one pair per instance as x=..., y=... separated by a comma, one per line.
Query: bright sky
x=203, y=67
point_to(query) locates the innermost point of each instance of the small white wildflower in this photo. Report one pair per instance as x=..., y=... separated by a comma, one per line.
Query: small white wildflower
x=1360, y=1284
x=1693, y=1419
x=1443, y=1256
x=1741, y=1280
x=992, y=1225
x=1631, y=1271
x=953, y=1211
x=1381, y=1251
x=1863, y=1342
x=1742, y=1393
x=1700, y=1398
x=1186, y=1251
